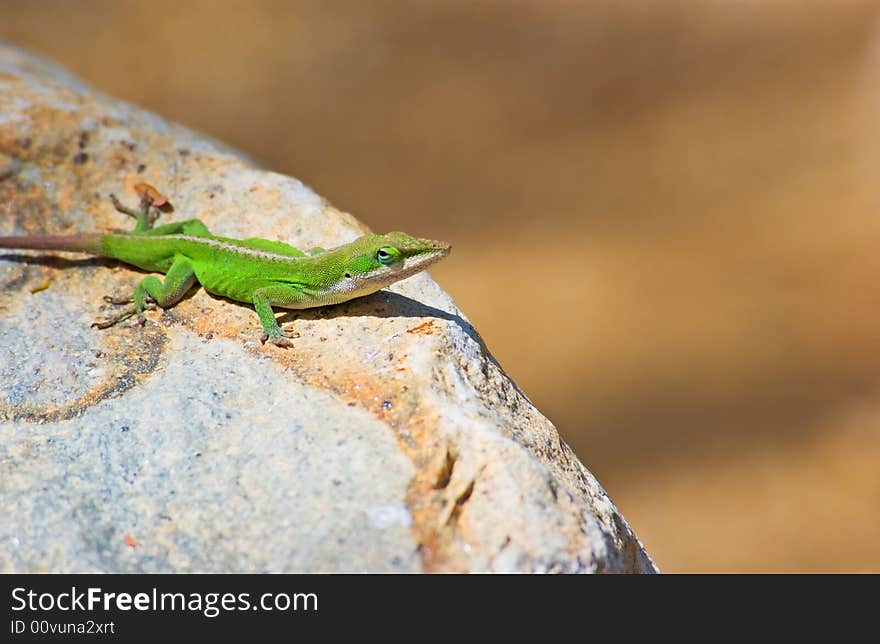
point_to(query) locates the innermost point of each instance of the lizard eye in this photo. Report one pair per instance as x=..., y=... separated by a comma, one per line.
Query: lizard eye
x=386, y=255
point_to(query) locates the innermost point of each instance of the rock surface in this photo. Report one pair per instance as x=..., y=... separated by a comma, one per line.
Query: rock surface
x=388, y=439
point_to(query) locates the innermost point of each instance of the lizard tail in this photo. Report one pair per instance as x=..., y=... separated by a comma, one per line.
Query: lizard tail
x=85, y=243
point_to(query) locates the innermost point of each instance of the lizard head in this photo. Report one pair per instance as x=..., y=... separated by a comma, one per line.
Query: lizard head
x=373, y=262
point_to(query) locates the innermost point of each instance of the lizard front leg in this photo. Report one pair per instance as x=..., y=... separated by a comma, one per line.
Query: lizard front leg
x=263, y=299
x=165, y=294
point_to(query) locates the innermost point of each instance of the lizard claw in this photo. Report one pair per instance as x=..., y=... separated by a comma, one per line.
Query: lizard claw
x=117, y=301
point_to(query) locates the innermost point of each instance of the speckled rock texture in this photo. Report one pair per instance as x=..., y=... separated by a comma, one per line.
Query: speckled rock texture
x=387, y=439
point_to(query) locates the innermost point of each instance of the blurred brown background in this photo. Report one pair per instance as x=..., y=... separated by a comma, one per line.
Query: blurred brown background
x=665, y=218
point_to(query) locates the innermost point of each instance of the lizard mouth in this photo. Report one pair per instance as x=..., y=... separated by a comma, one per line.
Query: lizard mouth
x=415, y=263
x=430, y=253
x=410, y=266
x=419, y=254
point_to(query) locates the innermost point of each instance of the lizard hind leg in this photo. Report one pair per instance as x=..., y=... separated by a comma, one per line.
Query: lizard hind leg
x=144, y=218
x=116, y=319
x=147, y=216
x=192, y=227
x=165, y=294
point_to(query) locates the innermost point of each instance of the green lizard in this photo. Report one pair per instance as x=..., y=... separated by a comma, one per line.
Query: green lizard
x=261, y=272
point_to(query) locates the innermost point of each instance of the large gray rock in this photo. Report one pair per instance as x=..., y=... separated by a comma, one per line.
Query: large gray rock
x=388, y=439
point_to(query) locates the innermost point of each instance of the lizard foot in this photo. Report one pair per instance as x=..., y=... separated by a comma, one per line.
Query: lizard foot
x=280, y=339
x=116, y=319
x=126, y=314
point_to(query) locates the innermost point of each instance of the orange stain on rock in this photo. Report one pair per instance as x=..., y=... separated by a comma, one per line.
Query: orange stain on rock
x=426, y=328
x=391, y=395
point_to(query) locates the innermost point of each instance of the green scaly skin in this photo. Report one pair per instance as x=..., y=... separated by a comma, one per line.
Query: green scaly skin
x=257, y=271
